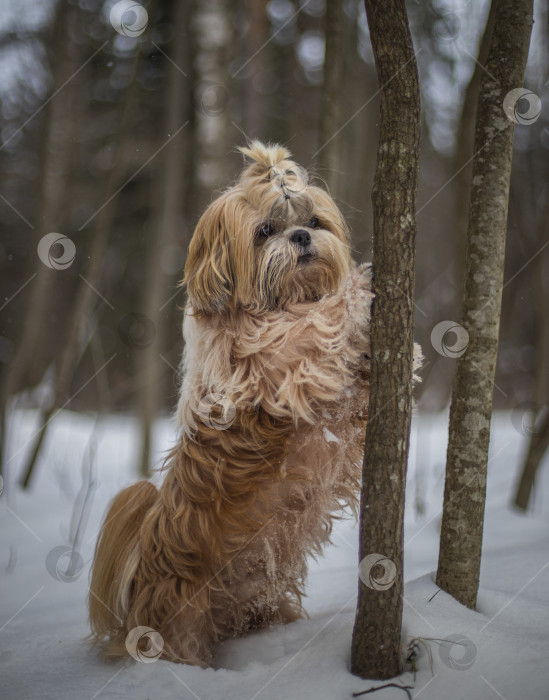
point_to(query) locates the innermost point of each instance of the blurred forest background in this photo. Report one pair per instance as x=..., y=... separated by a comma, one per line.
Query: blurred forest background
x=116, y=136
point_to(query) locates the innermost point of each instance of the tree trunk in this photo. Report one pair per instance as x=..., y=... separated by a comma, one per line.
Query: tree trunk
x=256, y=94
x=215, y=48
x=471, y=408
x=462, y=162
x=376, y=636
x=539, y=432
x=539, y=444
x=329, y=141
x=169, y=188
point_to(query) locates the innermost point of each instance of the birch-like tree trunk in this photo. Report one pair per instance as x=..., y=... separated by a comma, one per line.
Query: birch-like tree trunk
x=376, y=649
x=463, y=158
x=471, y=408
x=215, y=45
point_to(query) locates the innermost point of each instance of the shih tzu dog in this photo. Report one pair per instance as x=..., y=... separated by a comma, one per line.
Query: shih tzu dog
x=272, y=417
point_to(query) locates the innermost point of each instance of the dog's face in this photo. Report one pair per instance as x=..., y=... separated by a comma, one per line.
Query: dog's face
x=271, y=240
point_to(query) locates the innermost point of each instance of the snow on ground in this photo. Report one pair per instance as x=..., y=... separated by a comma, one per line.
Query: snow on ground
x=43, y=653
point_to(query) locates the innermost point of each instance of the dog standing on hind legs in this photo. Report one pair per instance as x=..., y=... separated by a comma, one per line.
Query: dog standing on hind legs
x=271, y=421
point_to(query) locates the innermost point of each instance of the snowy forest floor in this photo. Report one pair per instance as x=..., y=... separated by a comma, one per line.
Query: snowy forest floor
x=503, y=646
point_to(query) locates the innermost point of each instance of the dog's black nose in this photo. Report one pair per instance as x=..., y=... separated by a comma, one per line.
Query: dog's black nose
x=301, y=237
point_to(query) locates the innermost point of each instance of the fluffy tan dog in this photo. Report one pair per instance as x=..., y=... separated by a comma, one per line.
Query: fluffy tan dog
x=272, y=417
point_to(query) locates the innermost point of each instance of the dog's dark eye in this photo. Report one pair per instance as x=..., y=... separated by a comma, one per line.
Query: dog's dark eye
x=265, y=230
x=313, y=223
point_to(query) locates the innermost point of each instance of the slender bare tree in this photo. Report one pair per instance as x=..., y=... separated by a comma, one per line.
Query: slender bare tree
x=330, y=145
x=377, y=631
x=539, y=411
x=471, y=407
x=463, y=157
x=255, y=88
x=169, y=198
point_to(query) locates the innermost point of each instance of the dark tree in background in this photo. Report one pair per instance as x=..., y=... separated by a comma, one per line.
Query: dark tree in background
x=535, y=420
x=472, y=395
x=170, y=197
x=376, y=648
x=330, y=146
x=51, y=205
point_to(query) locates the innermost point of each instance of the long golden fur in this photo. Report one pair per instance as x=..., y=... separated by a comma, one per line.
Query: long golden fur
x=271, y=416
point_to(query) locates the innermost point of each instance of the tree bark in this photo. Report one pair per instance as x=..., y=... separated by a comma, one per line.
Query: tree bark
x=471, y=407
x=462, y=162
x=376, y=637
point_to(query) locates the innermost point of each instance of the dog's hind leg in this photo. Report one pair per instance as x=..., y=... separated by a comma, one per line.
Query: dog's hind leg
x=116, y=559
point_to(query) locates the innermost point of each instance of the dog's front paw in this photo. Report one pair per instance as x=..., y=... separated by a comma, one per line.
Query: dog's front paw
x=365, y=272
x=358, y=294
x=417, y=362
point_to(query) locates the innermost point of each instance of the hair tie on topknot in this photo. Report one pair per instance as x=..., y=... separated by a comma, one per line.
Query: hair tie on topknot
x=291, y=180
x=274, y=161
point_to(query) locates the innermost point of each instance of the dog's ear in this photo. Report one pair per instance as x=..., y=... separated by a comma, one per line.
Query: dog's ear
x=208, y=275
